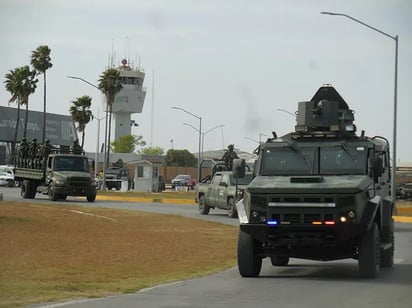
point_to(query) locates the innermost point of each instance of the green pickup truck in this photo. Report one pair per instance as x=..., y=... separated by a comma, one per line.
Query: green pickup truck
x=222, y=192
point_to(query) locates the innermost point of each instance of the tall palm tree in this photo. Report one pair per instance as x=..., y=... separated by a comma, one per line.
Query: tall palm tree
x=20, y=82
x=81, y=113
x=40, y=59
x=28, y=86
x=110, y=85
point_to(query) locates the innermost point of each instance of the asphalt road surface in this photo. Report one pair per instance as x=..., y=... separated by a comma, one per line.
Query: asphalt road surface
x=301, y=284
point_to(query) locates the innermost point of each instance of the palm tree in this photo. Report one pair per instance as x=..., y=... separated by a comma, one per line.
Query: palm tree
x=40, y=59
x=110, y=85
x=20, y=82
x=28, y=86
x=81, y=113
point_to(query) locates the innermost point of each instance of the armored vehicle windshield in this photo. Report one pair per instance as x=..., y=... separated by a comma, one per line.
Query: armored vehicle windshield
x=309, y=159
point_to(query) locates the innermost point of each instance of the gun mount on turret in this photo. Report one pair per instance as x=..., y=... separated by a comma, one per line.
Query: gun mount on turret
x=326, y=114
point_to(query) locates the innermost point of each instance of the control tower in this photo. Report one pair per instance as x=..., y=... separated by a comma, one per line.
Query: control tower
x=129, y=100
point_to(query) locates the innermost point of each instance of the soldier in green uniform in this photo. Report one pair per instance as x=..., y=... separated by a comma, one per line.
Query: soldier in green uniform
x=229, y=156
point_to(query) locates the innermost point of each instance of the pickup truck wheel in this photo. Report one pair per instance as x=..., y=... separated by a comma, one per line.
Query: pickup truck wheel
x=52, y=195
x=231, y=208
x=248, y=262
x=388, y=238
x=369, y=253
x=10, y=183
x=279, y=260
x=63, y=197
x=203, y=207
x=91, y=198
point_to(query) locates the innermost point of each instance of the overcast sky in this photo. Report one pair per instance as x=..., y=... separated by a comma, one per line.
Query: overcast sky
x=230, y=62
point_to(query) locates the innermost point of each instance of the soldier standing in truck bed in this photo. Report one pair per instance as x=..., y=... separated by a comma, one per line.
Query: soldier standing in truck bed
x=229, y=156
x=76, y=148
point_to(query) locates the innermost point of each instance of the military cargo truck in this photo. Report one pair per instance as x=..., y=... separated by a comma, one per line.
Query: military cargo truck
x=320, y=192
x=56, y=172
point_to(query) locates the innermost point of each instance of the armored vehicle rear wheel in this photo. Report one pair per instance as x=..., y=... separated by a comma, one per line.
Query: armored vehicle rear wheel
x=91, y=198
x=231, y=208
x=279, y=260
x=203, y=207
x=248, y=261
x=388, y=238
x=369, y=253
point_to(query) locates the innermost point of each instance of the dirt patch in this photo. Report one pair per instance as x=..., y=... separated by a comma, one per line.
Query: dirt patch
x=55, y=252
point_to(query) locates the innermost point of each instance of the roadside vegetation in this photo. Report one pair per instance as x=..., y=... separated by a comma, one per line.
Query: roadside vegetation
x=55, y=252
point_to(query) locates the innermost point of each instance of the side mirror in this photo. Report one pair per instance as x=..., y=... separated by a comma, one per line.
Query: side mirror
x=239, y=168
x=377, y=168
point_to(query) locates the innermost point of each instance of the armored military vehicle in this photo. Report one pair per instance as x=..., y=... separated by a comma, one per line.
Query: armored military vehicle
x=320, y=192
x=56, y=172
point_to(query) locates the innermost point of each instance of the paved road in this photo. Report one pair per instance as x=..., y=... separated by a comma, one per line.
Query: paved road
x=301, y=284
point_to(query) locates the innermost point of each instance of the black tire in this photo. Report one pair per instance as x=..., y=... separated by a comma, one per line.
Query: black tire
x=369, y=253
x=248, y=262
x=91, y=198
x=52, y=195
x=388, y=238
x=10, y=183
x=25, y=192
x=231, y=208
x=28, y=189
x=63, y=197
x=118, y=186
x=279, y=260
x=203, y=207
x=33, y=190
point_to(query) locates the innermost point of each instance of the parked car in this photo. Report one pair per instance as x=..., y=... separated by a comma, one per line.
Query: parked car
x=406, y=191
x=183, y=180
x=7, y=176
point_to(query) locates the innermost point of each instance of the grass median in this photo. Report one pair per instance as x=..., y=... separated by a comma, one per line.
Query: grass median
x=55, y=252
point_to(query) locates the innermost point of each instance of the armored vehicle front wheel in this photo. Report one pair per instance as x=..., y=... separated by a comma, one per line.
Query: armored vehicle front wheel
x=231, y=208
x=388, y=238
x=369, y=253
x=279, y=260
x=91, y=198
x=248, y=261
x=203, y=207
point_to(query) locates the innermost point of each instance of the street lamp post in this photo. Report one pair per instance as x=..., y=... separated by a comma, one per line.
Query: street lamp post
x=96, y=159
x=260, y=138
x=200, y=137
x=395, y=97
x=105, y=134
x=204, y=133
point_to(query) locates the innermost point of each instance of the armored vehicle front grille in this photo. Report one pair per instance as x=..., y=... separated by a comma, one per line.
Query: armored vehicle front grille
x=79, y=182
x=301, y=218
